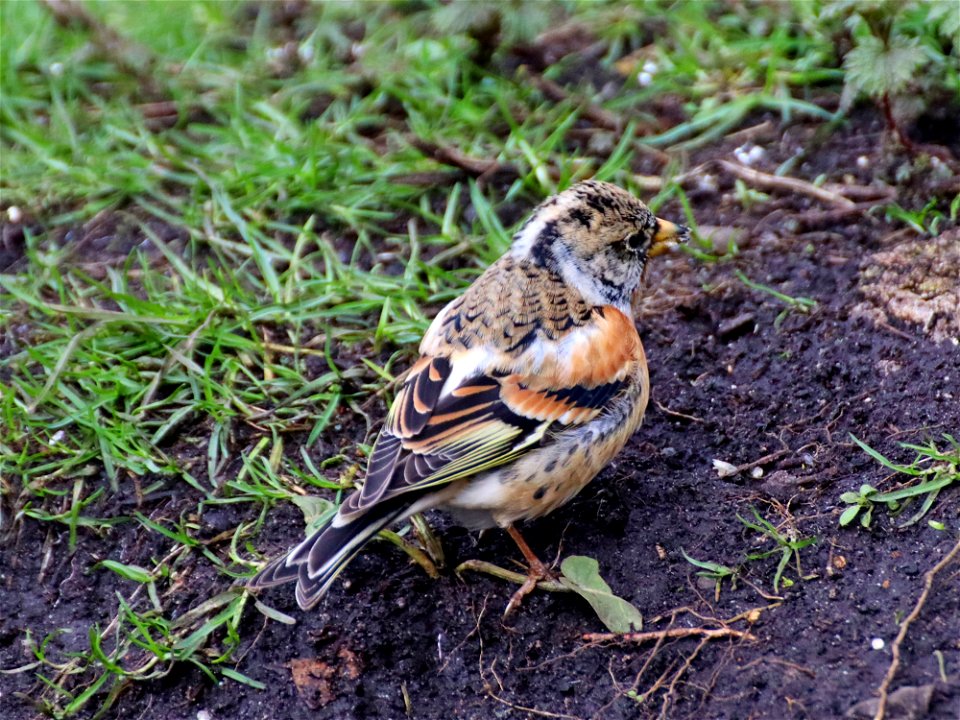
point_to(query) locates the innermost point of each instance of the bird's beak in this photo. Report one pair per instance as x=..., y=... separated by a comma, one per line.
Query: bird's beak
x=667, y=237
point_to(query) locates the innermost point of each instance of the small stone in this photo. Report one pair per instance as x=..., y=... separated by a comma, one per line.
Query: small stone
x=305, y=53
x=756, y=154
x=781, y=484
x=724, y=469
x=707, y=183
x=877, y=644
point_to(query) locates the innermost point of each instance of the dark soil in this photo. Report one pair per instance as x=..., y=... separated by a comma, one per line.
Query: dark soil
x=730, y=381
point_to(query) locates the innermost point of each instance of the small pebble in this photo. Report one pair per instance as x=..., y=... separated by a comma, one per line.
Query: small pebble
x=305, y=53
x=724, y=469
x=707, y=183
x=756, y=154
x=749, y=154
x=877, y=643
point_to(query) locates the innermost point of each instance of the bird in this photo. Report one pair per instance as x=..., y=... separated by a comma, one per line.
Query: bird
x=526, y=387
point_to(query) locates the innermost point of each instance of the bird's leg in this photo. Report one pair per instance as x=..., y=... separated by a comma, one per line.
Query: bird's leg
x=536, y=571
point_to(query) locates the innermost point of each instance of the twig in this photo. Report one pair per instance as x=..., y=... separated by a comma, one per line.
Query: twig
x=655, y=183
x=673, y=413
x=132, y=57
x=776, y=455
x=508, y=575
x=665, y=705
x=530, y=710
x=815, y=219
x=905, y=625
x=597, y=115
x=751, y=132
x=890, y=328
x=788, y=184
x=429, y=178
x=777, y=661
x=416, y=554
x=672, y=633
x=862, y=192
x=451, y=156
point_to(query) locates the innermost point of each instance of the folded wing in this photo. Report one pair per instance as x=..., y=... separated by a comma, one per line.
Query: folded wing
x=439, y=431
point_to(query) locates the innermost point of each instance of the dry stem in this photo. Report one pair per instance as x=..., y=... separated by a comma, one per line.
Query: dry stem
x=884, y=688
x=788, y=184
x=672, y=633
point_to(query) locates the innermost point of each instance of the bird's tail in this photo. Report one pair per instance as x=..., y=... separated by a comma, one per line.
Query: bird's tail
x=316, y=562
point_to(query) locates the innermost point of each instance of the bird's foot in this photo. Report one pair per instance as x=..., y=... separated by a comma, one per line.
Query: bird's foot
x=537, y=572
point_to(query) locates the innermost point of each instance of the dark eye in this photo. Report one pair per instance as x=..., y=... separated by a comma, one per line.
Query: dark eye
x=637, y=241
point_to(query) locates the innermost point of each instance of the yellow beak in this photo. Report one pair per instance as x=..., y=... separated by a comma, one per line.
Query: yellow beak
x=667, y=237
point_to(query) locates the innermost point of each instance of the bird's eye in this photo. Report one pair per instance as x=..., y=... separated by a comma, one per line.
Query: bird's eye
x=637, y=241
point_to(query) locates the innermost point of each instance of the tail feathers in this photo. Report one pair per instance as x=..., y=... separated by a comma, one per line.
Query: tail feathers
x=317, y=561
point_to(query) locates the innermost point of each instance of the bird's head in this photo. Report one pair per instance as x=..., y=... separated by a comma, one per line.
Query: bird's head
x=598, y=237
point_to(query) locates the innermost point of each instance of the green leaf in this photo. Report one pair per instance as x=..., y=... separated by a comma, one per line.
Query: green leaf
x=316, y=510
x=906, y=470
x=275, y=614
x=928, y=486
x=241, y=678
x=875, y=69
x=582, y=575
x=849, y=515
x=714, y=570
x=946, y=16
x=130, y=572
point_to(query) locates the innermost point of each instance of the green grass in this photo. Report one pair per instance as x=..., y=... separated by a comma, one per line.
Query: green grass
x=273, y=257
x=932, y=470
x=787, y=545
x=800, y=304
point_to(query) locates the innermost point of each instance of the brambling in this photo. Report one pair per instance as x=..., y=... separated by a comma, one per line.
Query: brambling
x=527, y=385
